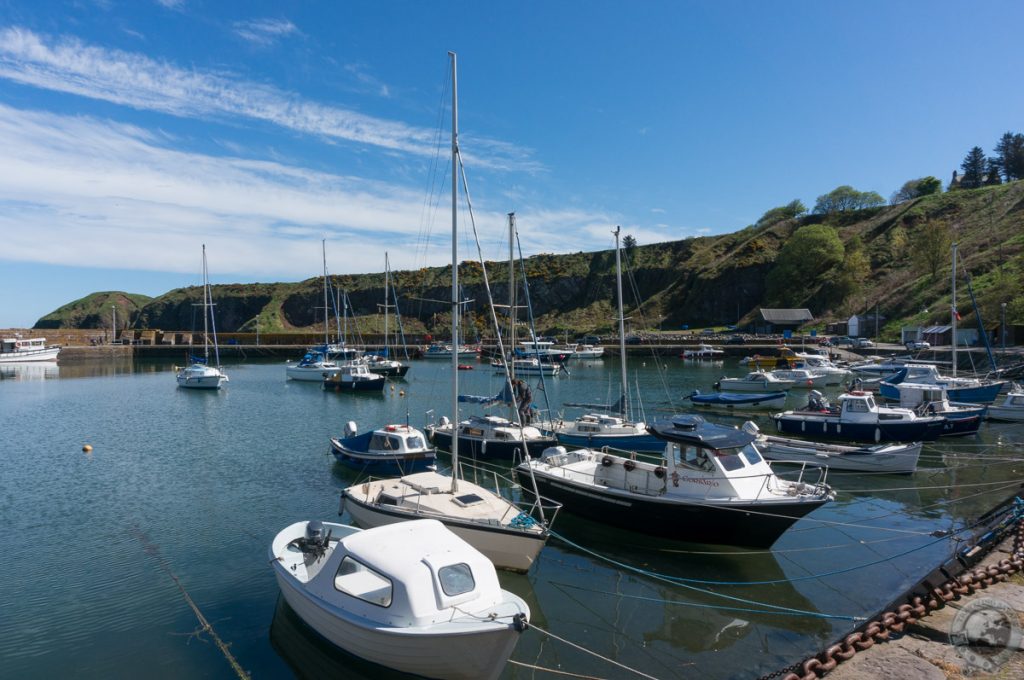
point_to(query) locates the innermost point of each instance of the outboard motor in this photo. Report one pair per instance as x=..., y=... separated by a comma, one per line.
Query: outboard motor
x=314, y=543
x=444, y=421
x=815, y=401
x=350, y=429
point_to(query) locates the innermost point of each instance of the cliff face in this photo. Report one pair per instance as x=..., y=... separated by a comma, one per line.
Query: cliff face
x=699, y=281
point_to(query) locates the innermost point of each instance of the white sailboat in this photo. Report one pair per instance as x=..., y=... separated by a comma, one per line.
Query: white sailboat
x=509, y=535
x=604, y=429
x=315, y=365
x=199, y=374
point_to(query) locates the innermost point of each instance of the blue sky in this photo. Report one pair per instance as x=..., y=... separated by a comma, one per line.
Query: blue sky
x=133, y=131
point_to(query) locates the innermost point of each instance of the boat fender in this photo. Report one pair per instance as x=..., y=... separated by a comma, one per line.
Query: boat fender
x=519, y=622
x=675, y=478
x=629, y=465
x=659, y=472
x=350, y=429
x=607, y=461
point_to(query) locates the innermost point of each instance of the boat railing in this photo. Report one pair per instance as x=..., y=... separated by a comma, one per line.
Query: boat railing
x=820, y=485
x=541, y=510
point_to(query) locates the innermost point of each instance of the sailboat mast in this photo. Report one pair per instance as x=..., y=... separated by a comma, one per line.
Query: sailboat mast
x=455, y=276
x=624, y=403
x=206, y=310
x=387, y=276
x=323, y=247
x=511, y=297
x=953, y=315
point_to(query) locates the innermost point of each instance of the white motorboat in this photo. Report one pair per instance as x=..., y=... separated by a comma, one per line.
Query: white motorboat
x=199, y=374
x=584, y=351
x=894, y=458
x=834, y=375
x=18, y=350
x=711, y=486
x=445, y=350
x=509, y=534
x=757, y=381
x=413, y=596
x=530, y=366
x=354, y=376
x=802, y=377
x=703, y=351
x=391, y=448
x=1012, y=408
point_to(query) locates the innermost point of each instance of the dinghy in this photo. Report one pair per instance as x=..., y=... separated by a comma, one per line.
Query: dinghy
x=410, y=596
x=738, y=400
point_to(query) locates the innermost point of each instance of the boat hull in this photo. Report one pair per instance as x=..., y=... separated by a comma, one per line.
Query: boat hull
x=630, y=442
x=465, y=655
x=755, y=525
x=506, y=548
x=364, y=461
x=816, y=426
x=390, y=371
x=982, y=394
x=47, y=354
x=739, y=401
x=377, y=385
x=892, y=458
x=303, y=374
x=480, y=449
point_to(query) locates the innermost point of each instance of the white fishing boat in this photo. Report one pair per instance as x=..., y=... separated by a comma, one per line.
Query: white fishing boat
x=199, y=374
x=896, y=458
x=413, y=597
x=354, y=376
x=18, y=350
x=711, y=486
x=583, y=351
x=529, y=366
x=757, y=381
x=1012, y=408
x=509, y=534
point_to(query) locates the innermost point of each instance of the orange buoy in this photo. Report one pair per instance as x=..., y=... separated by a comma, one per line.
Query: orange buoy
x=87, y=448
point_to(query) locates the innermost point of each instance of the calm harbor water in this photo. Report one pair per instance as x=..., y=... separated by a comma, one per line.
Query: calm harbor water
x=183, y=492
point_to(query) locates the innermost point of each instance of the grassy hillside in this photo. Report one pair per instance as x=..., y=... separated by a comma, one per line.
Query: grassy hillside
x=895, y=258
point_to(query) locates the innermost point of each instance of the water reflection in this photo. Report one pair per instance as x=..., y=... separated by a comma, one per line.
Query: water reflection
x=29, y=370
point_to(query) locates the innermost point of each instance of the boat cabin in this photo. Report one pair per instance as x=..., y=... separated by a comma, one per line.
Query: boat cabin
x=397, y=438
x=412, y=573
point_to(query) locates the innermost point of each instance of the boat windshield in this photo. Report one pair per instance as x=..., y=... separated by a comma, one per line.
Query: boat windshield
x=362, y=582
x=414, y=442
x=692, y=457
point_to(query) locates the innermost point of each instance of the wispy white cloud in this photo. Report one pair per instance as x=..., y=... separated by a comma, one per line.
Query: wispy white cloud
x=265, y=32
x=171, y=4
x=80, y=191
x=659, y=211
x=358, y=71
x=135, y=80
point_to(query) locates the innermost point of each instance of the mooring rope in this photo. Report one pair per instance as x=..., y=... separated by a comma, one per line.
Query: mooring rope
x=555, y=671
x=206, y=626
x=584, y=649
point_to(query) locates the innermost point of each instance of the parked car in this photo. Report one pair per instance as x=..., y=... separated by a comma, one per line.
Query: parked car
x=914, y=345
x=862, y=342
x=735, y=340
x=843, y=340
x=590, y=340
x=633, y=340
x=825, y=342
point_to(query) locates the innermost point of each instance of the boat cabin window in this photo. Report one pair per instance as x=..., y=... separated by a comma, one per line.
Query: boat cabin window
x=456, y=579
x=751, y=455
x=728, y=459
x=693, y=457
x=387, y=442
x=857, y=406
x=589, y=428
x=414, y=442
x=359, y=581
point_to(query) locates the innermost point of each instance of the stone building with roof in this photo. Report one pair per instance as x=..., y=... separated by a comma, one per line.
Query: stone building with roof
x=774, y=321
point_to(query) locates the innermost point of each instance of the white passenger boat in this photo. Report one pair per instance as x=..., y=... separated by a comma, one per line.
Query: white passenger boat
x=413, y=596
x=802, y=377
x=583, y=351
x=17, y=350
x=703, y=351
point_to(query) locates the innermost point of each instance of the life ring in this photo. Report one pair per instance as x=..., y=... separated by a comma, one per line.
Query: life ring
x=629, y=465
x=607, y=461
x=659, y=472
x=675, y=478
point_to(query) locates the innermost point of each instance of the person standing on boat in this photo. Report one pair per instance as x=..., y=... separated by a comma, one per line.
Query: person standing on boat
x=523, y=399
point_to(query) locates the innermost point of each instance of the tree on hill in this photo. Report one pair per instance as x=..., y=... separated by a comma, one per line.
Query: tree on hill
x=792, y=209
x=844, y=198
x=1009, y=158
x=915, y=188
x=812, y=252
x=974, y=166
x=930, y=247
x=992, y=172
x=628, y=242
x=854, y=271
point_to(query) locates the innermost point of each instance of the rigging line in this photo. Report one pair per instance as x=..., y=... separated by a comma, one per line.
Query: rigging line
x=698, y=605
x=662, y=369
x=942, y=486
x=423, y=237
x=529, y=311
x=782, y=551
x=592, y=653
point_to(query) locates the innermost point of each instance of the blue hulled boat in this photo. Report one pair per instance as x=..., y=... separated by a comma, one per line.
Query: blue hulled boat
x=397, y=449
x=858, y=418
x=739, y=400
